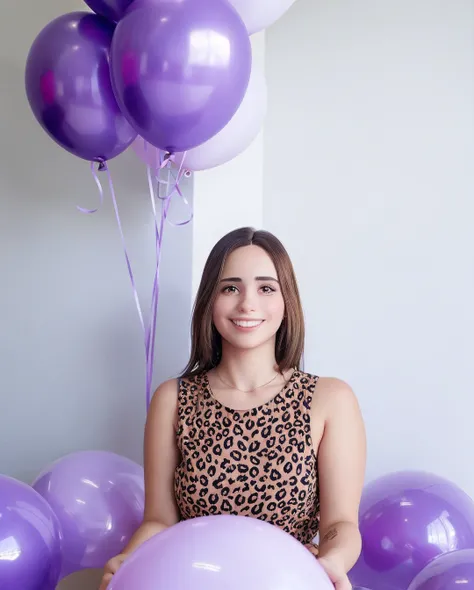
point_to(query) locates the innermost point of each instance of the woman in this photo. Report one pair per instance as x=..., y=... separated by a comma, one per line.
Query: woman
x=245, y=430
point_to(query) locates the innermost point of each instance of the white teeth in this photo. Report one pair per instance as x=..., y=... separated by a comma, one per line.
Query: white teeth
x=247, y=324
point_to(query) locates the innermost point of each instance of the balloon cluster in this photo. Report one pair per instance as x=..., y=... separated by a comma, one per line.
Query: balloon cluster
x=417, y=533
x=176, y=75
x=79, y=512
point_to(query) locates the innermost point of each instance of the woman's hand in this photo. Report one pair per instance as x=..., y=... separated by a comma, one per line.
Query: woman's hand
x=110, y=569
x=334, y=567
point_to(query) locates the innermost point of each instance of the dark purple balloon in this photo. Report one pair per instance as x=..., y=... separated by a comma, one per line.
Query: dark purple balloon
x=113, y=10
x=69, y=88
x=406, y=520
x=30, y=539
x=180, y=69
x=451, y=571
x=98, y=498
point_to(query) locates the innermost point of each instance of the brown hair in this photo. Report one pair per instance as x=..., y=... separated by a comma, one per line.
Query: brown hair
x=206, y=345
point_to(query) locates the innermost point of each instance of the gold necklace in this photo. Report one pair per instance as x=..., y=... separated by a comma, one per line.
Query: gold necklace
x=247, y=390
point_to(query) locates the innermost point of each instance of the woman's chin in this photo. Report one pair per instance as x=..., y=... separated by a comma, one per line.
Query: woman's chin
x=249, y=341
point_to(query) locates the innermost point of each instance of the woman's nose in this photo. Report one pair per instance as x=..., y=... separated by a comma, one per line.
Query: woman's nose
x=247, y=303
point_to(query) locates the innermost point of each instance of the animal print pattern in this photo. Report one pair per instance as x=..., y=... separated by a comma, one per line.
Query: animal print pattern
x=258, y=462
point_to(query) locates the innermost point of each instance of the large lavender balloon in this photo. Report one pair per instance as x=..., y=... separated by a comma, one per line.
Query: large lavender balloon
x=406, y=520
x=222, y=552
x=30, y=539
x=180, y=69
x=99, y=500
x=69, y=89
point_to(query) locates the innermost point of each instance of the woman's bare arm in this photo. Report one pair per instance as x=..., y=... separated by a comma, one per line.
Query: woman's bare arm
x=341, y=465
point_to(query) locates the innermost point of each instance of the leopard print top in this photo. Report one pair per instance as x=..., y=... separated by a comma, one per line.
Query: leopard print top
x=258, y=462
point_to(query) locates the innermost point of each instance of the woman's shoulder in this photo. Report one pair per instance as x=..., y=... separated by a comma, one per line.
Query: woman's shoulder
x=334, y=395
x=327, y=385
x=166, y=393
x=334, y=386
x=163, y=407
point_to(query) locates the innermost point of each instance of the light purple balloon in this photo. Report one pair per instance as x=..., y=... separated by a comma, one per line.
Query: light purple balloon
x=217, y=552
x=30, y=539
x=451, y=571
x=113, y=10
x=406, y=520
x=68, y=86
x=180, y=69
x=99, y=500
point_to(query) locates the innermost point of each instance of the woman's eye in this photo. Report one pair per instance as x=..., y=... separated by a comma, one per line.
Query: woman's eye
x=230, y=289
x=266, y=289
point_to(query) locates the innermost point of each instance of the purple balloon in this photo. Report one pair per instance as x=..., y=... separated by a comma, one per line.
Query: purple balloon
x=180, y=69
x=99, y=499
x=113, y=10
x=30, y=539
x=449, y=572
x=69, y=89
x=225, y=551
x=406, y=520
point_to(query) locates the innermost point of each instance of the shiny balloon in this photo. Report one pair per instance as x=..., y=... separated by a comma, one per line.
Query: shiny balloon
x=99, y=500
x=451, y=571
x=260, y=14
x=216, y=552
x=406, y=520
x=30, y=539
x=180, y=69
x=113, y=10
x=69, y=89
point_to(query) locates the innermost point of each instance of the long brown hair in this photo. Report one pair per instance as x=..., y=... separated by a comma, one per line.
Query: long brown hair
x=206, y=344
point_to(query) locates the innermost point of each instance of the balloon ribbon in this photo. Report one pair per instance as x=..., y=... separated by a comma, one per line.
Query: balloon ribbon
x=160, y=219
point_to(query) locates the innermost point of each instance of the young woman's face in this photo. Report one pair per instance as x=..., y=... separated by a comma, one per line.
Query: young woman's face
x=249, y=307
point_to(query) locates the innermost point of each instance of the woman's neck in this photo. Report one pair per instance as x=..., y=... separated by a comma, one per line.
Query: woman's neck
x=247, y=370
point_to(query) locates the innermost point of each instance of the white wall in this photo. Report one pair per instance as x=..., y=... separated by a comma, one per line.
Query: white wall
x=369, y=150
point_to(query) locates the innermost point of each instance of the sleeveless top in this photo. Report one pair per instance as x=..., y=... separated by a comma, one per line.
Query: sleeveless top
x=258, y=462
